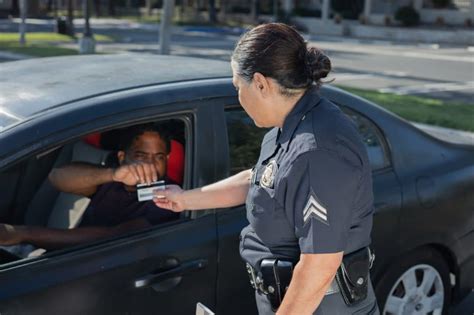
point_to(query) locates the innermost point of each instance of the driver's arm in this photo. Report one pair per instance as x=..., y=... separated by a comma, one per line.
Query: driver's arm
x=83, y=178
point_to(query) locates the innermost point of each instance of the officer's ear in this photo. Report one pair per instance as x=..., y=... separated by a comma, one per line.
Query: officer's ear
x=262, y=84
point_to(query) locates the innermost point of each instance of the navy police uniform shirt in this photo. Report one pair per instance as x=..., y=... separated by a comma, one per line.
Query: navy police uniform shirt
x=311, y=189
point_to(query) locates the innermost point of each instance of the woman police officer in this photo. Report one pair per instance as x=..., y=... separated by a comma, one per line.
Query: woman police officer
x=309, y=197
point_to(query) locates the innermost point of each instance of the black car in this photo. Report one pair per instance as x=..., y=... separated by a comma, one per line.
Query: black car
x=423, y=233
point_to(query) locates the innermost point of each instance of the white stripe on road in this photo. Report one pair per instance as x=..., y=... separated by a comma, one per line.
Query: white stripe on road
x=338, y=77
x=384, y=51
x=429, y=88
x=358, y=76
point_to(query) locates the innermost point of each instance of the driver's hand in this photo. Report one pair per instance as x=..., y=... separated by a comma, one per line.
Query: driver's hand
x=10, y=235
x=136, y=173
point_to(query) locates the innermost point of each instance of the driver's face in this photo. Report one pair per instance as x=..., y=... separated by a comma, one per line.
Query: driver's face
x=148, y=148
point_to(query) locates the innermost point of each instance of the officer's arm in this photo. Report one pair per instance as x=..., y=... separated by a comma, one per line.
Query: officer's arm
x=311, y=278
x=226, y=193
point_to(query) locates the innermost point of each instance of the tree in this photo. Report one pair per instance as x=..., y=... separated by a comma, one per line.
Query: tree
x=212, y=12
x=70, y=18
x=23, y=13
x=97, y=8
x=111, y=5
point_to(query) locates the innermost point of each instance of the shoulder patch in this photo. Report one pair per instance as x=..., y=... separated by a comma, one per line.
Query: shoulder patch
x=314, y=209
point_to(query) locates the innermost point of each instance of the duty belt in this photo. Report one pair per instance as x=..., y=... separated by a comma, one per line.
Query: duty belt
x=258, y=283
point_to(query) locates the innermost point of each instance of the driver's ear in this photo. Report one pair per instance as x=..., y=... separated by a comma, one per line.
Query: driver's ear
x=121, y=157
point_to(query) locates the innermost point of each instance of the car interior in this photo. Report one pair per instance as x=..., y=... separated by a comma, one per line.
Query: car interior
x=28, y=197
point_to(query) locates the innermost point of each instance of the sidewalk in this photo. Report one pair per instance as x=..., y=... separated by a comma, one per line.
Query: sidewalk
x=347, y=30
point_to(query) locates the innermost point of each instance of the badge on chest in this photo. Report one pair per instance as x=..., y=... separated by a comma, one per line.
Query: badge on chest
x=268, y=176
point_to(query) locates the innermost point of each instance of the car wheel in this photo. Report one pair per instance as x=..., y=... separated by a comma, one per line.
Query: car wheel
x=416, y=284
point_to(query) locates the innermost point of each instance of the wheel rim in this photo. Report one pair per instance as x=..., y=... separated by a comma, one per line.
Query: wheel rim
x=418, y=291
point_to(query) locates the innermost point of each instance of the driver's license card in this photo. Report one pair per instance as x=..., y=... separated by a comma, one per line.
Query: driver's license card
x=145, y=191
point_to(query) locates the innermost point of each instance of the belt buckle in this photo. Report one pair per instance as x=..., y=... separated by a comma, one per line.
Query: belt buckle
x=255, y=281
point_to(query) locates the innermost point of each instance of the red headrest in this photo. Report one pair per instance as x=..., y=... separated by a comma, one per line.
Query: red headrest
x=93, y=139
x=176, y=162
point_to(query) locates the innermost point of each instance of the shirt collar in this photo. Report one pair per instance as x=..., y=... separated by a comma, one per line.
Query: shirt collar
x=309, y=99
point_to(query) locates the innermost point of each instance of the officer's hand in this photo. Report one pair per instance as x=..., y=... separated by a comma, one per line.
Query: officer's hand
x=170, y=198
x=136, y=173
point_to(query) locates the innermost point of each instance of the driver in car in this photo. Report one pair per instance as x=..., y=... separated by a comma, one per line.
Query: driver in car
x=114, y=208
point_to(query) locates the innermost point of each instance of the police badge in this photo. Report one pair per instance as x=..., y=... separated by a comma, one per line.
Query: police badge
x=268, y=176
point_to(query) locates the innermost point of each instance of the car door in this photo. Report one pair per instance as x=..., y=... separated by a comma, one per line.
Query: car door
x=386, y=187
x=166, y=269
x=242, y=143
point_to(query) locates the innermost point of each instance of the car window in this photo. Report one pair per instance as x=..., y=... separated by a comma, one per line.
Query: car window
x=244, y=140
x=39, y=202
x=372, y=137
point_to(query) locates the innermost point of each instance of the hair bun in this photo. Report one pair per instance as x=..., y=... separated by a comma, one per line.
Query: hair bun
x=318, y=64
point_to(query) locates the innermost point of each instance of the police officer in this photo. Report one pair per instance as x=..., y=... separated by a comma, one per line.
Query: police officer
x=309, y=197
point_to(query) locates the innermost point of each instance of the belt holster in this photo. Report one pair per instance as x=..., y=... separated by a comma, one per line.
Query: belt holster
x=353, y=275
x=272, y=280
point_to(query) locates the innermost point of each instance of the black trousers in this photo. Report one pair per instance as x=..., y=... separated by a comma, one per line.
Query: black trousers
x=332, y=304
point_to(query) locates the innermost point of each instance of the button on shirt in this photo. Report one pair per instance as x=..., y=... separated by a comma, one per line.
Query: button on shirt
x=311, y=189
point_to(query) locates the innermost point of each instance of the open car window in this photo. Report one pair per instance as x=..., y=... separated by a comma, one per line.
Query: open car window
x=31, y=199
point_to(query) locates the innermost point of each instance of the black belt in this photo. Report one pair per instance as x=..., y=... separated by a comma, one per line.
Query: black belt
x=351, y=279
x=257, y=282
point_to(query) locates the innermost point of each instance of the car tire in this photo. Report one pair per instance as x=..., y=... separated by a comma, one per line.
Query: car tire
x=417, y=283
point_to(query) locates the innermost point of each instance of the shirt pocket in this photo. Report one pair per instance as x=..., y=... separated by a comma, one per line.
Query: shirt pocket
x=263, y=200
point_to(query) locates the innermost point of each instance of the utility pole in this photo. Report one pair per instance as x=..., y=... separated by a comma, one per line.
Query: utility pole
x=87, y=42
x=165, y=27
x=23, y=13
x=275, y=10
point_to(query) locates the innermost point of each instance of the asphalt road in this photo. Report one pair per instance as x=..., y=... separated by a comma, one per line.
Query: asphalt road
x=435, y=70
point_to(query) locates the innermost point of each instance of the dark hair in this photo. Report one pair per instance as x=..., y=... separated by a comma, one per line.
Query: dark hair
x=278, y=51
x=130, y=134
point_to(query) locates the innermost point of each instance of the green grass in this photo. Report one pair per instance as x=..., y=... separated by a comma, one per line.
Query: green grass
x=47, y=37
x=37, y=50
x=42, y=44
x=426, y=110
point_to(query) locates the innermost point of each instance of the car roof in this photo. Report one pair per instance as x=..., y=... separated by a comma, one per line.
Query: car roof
x=31, y=86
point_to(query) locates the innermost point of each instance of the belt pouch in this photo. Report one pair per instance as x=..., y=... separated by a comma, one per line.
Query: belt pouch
x=269, y=276
x=353, y=276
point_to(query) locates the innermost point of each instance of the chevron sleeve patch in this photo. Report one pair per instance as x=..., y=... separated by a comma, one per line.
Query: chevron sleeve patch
x=316, y=210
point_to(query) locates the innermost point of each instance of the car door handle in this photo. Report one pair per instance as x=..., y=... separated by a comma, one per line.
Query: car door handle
x=184, y=268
